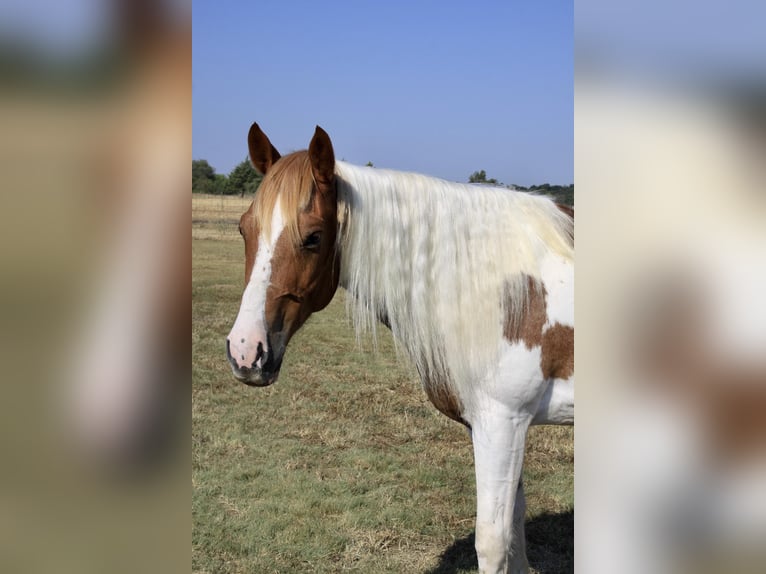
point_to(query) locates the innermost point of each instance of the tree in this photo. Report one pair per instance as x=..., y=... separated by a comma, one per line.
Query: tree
x=481, y=177
x=220, y=185
x=243, y=179
x=203, y=176
x=560, y=193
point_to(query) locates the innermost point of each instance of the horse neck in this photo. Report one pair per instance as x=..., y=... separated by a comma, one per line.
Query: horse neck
x=435, y=258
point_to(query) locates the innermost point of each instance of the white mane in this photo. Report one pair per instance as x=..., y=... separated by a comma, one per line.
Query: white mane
x=443, y=262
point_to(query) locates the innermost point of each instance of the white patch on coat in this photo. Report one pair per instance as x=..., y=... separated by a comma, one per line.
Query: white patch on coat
x=250, y=329
x=516, y=383
x=557, y=404
x=557, y=275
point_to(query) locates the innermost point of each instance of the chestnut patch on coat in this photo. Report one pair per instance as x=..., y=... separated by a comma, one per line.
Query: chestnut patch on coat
x=557, y=359
x=250, y=236
x=556, y=342
x=529, y=327
x=443, y=397
x=446, y=402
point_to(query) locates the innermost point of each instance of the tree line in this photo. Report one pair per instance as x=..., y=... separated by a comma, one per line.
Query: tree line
x=241, y=180
x=244, y=179
x=560, y=193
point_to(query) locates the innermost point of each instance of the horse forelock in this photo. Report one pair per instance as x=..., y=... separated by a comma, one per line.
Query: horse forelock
x=288, y=186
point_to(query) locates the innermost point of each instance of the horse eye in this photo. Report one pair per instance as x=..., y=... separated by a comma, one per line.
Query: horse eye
x=312, y=241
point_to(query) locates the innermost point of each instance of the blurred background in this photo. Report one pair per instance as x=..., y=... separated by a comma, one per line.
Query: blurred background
x=95, y=109
x=670, y=156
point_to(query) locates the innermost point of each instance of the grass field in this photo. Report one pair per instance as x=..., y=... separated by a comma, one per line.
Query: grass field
x=217, y=216
x=342, y=465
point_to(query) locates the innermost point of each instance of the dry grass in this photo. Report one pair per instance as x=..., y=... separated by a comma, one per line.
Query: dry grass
x=217, y=216
x=343, y=465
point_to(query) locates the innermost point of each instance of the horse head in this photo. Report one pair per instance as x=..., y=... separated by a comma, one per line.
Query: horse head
x=291, y=260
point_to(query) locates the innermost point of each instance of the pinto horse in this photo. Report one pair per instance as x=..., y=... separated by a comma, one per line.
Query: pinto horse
x=475, y=283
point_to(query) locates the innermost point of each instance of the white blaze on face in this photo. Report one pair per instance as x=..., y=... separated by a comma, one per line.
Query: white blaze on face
x=249, y=330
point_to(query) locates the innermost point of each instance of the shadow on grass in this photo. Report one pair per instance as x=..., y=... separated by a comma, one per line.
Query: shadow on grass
x=459, y=557
x=550, y=547
x=550, y=543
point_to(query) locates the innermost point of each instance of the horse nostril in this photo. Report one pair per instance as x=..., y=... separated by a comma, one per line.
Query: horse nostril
x=259, y=353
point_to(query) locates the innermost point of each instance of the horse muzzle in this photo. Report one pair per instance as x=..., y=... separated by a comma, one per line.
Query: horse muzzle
x=263, y=371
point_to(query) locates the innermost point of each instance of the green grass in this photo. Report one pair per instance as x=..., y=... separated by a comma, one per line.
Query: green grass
x=343, y=464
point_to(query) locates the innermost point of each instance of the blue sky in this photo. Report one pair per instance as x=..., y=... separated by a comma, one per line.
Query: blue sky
x=443, y=88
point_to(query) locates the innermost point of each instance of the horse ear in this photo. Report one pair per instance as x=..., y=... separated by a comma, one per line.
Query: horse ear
x=262, y=154
x=322, y=159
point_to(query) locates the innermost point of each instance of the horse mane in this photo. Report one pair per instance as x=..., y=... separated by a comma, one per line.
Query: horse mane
x=447, y=264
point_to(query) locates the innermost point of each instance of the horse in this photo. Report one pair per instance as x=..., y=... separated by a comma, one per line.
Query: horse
x=475, y=282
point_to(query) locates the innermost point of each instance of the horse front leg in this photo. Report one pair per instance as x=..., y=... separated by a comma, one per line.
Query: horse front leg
x=498, y=444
